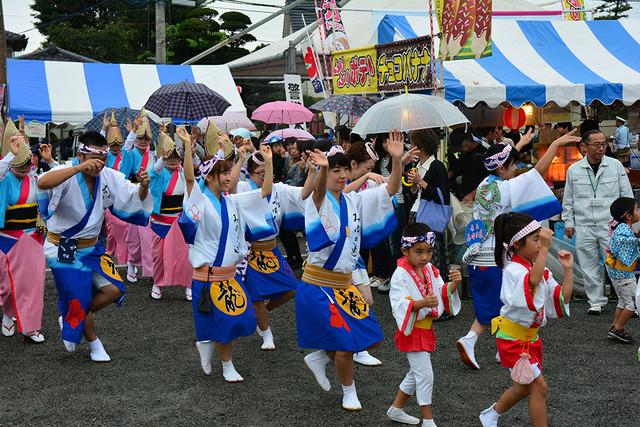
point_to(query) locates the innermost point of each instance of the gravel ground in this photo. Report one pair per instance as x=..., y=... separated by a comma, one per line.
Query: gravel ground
x=155, y=376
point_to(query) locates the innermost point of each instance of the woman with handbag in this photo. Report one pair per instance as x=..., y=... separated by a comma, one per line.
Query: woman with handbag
x=431, y=182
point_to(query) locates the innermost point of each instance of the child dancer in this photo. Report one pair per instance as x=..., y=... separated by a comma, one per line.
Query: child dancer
x=418, y=295
x=22, y=261
x=171, y=265
x=214, y=224
x=331, y=313
x=73, y=205
x=120, y=160
x=268, y=277
x=530, y=295
x=502, y=192
x=624, y=251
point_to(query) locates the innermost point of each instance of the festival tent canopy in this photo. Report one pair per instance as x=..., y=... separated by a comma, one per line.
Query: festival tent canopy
x=537, y=61
x=72, y=92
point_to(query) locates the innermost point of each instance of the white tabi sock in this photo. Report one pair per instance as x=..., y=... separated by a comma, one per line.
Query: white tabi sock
x=428, y=423
x=205, y=350
x=68, y=345
x=489, y=417
x=317, y=363
x=98, y=353
x=350, y=400
x=471, y=337
x=229, y=372
x=267, y=340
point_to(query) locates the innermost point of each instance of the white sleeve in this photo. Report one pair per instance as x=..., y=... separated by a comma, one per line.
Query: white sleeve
x=255, y=214
x=292, y=207
x=401, y=301
x=378, y=215
x=5, y=164
x=128, y=143
x=554, y=304
x=159, y=165
x=448, y=302
x=127, y=205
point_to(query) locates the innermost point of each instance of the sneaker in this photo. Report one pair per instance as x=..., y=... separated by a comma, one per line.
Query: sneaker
x=467, y=354
x=399, y=416
x=374, y=283
x=595, y=310
x=8, y=326
x=156, y=292
x=364, y=358
x=34, y=337
x=621, y=335
x=384, y=286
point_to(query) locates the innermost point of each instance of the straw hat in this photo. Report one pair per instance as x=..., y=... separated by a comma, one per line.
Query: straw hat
x=144, y=130
x=114, y=136
x=24, y=153
x=211, y=145
x=165, y=145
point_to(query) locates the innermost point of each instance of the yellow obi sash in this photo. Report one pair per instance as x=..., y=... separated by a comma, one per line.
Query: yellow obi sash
x=319, y=276
x=82, y=243
x=617, y=265
x=513, y=329
x=266, y=245
x=424, y=323
x=214, y=274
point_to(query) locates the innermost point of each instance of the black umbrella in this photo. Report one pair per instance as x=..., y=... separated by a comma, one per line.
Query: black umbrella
x=122, y=114
x=185, y=100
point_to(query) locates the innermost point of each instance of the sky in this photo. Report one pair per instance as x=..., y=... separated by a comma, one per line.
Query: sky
x=17, y=18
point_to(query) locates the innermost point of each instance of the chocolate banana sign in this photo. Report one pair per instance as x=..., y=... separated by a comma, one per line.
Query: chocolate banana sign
x=383, y=68
x=466, y=29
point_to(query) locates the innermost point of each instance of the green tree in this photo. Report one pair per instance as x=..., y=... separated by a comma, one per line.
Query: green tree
x=123, y=30
x=612, y=9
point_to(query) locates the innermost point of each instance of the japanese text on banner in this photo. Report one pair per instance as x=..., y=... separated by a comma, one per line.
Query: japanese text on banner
x=405, y=64
x=335, y=36
x=354, y=71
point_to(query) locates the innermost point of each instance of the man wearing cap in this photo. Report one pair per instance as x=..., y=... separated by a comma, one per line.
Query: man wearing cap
x=622, y=141
x=592, y=184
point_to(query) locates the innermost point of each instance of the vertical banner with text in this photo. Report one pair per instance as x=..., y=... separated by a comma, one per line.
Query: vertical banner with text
x=335, y=35
x=465, y=29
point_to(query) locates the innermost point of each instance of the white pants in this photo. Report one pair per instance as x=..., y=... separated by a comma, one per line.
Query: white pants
x=590, y=242
x=419, y=379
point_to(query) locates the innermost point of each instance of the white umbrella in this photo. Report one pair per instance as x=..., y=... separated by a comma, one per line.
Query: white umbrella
x=409, y=112
x=228, y=121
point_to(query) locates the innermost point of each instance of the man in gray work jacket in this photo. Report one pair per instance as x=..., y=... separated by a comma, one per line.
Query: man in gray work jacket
x=592, y=184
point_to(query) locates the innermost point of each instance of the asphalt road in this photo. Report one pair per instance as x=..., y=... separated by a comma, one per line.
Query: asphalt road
x=155, y=378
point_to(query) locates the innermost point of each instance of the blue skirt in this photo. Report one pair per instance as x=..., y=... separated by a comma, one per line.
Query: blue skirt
x=486, y=283
x=268, y=275
x=335, y=320
x=231, y=316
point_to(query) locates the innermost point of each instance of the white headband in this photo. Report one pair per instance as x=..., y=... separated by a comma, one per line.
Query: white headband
x=335, y=149
x=85, y=149
x=206, y=167
x=371, y=151
x=495, y=161
x=528, y=229
x=256, y=160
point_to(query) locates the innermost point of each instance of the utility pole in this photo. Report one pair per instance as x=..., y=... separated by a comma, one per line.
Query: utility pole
x=3, y=49
x=161, y=38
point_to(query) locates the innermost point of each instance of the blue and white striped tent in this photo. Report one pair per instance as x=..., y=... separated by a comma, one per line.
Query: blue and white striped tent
x=72, y=92
x=541, y=61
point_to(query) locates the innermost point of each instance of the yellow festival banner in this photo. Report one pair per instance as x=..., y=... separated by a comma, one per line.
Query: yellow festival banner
x=354, y=70
x=574, y=5
x=383, y=68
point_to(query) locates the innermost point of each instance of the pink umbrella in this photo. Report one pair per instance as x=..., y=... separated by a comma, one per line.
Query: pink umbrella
x=228, y=121
x=291, y=133
x=282, y=112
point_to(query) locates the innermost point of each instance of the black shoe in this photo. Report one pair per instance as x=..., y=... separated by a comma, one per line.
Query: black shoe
x=620, y=335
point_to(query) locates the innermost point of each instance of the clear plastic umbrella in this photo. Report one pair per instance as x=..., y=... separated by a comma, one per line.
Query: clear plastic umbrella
x=409, y=112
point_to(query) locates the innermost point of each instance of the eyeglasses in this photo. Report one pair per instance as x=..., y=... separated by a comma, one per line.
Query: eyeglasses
x=597, y=146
